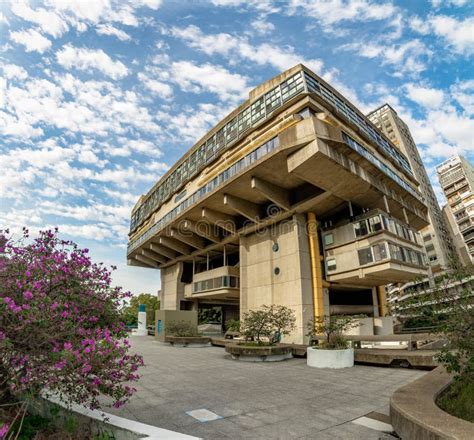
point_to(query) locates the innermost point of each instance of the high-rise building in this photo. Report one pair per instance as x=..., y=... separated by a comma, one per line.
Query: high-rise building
x=295, y=198
x=436, y=238
x=456, y=177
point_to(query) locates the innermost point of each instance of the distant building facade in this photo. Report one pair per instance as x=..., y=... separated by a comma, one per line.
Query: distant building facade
x=295, y=198
x=456, y=177
x=436, y=238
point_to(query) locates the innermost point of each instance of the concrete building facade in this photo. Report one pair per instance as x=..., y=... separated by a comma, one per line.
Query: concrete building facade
x=295, y=198
x=436, y=238
x=456, y=177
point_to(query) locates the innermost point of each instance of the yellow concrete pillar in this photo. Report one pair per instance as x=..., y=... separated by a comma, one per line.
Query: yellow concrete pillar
x=382, y=299
x=316, y=272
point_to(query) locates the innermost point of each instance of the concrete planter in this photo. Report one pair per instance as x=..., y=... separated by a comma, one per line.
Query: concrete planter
x=188, y=341
x=320, y=358
x=273, y=353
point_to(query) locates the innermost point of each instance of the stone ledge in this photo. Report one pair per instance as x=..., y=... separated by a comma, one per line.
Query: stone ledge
x=264, y=353
x=188, y=340
x=415, y=415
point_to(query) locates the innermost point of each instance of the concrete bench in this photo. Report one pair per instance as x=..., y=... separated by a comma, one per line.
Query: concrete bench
x=412, y=339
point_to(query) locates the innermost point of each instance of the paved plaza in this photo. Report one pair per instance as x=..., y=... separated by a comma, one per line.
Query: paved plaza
x=242, y=400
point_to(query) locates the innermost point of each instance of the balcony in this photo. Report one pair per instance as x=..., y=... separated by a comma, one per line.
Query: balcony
x=220, y=283
x=374, y=250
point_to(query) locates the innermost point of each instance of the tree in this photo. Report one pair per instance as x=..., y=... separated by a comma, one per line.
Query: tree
x=61, y=329
x=130, y=312
x=449, y=307
x=332, y=328
x=267, y=321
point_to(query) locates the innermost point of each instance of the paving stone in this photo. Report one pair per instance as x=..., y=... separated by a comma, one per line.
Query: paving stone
x=286, y=400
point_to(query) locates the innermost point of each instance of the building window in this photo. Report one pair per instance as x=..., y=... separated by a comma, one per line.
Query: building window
x=275, y=247
x=331, y=264
x=375, y=224
x=360, y=228
x=365, y=256
x=329, y=239
x=380, y=251
x=277, y=271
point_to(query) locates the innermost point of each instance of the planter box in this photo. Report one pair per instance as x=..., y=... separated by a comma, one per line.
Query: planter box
x=320, y=358
x=272, y=353
x=188, y=341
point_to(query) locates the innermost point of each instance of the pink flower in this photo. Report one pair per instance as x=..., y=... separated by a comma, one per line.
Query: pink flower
x=27, y=295
x=4, y=430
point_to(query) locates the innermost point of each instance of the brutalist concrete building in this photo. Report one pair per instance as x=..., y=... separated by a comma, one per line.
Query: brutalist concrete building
x=295, y=198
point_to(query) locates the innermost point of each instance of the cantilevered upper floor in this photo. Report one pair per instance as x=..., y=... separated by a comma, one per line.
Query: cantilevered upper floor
x=295, y=146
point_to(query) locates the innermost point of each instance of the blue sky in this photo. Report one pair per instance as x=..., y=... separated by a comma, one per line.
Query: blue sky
x=99, y=98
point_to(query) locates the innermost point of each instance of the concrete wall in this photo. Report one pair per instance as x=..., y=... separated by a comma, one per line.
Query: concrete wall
x=166, y=316
x=172, y=289
x=292, y=286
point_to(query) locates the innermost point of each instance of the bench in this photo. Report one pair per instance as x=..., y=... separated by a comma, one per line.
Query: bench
x=412, y=339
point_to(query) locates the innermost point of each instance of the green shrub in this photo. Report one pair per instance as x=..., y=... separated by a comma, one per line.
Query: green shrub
x=181, y=329
x=332, y=328
x=233, y=325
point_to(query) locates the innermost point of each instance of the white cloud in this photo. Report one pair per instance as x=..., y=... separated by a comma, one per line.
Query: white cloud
x=12, y=71
x=209, y=78
x=332, y=12
x=280, y=57
x=158, y=88
x=425, y=96
x=463, y=93
x=49, y=22
x=457, y=33
x=89, y=60
x=31, y=39
x=189, y=125
x=262, y=27
x=409, y=57
x=107, y=29
x=438, y=3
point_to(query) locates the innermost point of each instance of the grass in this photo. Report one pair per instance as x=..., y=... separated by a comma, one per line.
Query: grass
x=458, y=400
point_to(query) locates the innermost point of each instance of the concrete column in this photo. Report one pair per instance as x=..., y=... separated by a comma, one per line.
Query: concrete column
x=316, y=272
x=375, y=301
x=142, y=330
x=382, y=300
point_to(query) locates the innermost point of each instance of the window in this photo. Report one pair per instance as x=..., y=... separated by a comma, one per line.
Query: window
x=365, y=256
x=329, y=239
x=395, y=252
x=360, y=228
x=375, y=224
x=380, y=251
x=331, y=264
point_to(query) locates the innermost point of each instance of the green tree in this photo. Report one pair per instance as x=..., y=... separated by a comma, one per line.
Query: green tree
x=130, y=312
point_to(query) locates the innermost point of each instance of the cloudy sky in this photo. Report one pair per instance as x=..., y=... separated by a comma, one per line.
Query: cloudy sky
x=98, y=98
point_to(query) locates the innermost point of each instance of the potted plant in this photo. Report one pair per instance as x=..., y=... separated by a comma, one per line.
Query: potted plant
x=183, y=334
x=332, y=349
x=263, y=329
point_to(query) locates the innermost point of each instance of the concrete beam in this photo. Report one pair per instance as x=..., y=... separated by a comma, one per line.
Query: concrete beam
x=220, y=219
x=153, y=256
x=133, y=262
x=278, y=195
x=146, y=260
x=202, y=229
x=189, y=238
x=162, y=250
x=175, y=245
x=243, y=207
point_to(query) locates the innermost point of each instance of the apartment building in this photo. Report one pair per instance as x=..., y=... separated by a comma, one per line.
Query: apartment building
x=436, y=238
x=295, y=198
x=456, y=177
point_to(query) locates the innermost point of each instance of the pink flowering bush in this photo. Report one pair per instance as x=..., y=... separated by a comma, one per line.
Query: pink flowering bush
x=60, y=325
